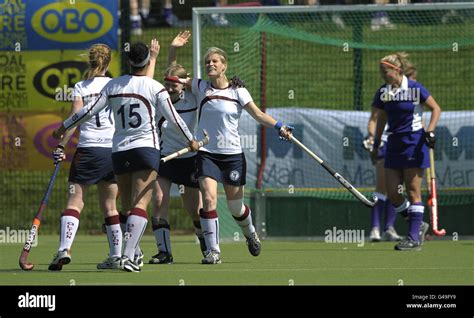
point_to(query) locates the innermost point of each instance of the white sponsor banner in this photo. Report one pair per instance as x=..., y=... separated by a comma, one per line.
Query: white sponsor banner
x=336, y=137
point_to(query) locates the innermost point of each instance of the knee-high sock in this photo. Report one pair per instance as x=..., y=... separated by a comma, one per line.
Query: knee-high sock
x=136, y=224
x=210, y=229
x=377, y=210
x=123, y=222
x=114, y=235
x=390, y=214
x=69, y=225
x=161, y=229
x=242, y=216
x=415, y=218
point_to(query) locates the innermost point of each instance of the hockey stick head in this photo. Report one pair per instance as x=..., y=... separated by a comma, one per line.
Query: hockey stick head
x=372, y=203
x=24, y=264
x=441, y=232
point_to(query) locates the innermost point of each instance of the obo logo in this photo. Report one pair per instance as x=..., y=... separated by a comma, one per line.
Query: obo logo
x=64, y=22
x=59, y=75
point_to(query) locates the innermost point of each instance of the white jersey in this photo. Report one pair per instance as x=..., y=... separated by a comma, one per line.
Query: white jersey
x=170, y=141
x=97, y=131
x=136, y=102
x=219, y=113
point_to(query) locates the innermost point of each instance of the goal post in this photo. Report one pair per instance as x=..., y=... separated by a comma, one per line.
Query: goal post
x=317, y=66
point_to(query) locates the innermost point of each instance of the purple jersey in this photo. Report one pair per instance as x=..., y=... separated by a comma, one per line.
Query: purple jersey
x=403, y=105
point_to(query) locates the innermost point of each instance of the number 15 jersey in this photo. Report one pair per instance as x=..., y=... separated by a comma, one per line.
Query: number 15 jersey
x=136, y=102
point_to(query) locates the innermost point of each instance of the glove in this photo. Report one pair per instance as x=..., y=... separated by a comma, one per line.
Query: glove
x=237, y=82
x=430, y=138
x=368, y=144
x=283, y=130
x=58, y=154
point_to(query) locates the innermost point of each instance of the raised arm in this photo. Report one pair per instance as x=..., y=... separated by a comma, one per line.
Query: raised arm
x=179, y=41
x=154, y=52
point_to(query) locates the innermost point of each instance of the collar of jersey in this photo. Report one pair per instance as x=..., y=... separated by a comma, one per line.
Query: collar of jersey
x=403, y=86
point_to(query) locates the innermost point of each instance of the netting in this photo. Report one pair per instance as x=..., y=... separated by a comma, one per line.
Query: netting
x=314, y=58
x=318, y=68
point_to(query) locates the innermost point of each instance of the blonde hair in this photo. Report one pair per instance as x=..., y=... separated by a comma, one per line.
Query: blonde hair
x=410, y=71
x=176, y=70
x=397, y=60
x=99, y=57
x=218, y=51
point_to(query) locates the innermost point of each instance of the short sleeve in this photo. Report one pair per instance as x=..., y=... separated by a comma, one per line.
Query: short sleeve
x=424, y=93
x=243, y=96
x=77, y=92
x=377, y=101
x=195, y=85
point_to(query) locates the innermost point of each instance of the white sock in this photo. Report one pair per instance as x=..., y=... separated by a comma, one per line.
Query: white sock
x=136, y=225
x=210, y=229
x=242, y=216
x=69, y=225
x=114, y=235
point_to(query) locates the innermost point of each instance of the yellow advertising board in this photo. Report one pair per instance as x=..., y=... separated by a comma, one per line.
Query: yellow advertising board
x=43, y=80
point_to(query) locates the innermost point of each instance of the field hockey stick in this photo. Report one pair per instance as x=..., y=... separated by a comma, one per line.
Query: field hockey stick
x=433, y=199
x=181, y=152
x=336, y=175
x=36, y=224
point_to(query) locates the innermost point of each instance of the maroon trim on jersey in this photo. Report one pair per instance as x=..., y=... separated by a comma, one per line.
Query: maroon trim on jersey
x=199, y=83
x=208, y=98
x=147, y=105
x=89, y=96
x=170, y=105
x=163, y=90
x=90, y=110
x=182, y=111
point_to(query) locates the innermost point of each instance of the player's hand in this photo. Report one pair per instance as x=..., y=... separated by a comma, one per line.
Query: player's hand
x=58, y=133
x=430, y=139
x=194, y=145
x=154, y=49
x=368, y=143
x=181, y=39
x=237, y=82
x=58, y=154
x=285, y=132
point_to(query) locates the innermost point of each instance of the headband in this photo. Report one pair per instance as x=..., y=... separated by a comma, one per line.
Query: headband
x=391, y=65
x=142, y=63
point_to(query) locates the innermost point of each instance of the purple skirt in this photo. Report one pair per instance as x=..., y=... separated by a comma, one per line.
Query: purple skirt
x=407, y=150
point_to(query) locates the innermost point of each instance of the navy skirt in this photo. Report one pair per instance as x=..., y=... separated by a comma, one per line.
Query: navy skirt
x=91, y=165
x=225, y=169
x=136, y=159
x=408, y=150
x=180, y=171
